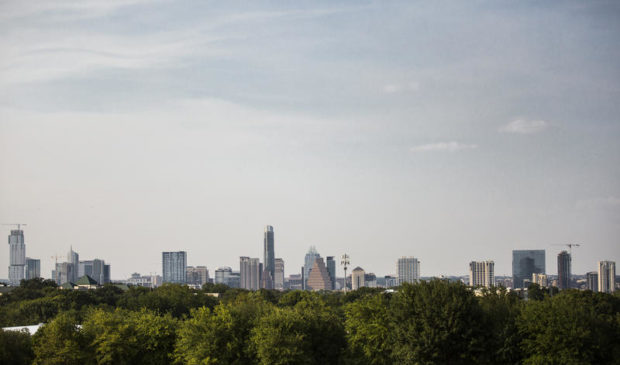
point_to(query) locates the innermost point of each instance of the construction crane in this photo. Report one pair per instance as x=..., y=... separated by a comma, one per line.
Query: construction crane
x=570, y=247
x=19, y=225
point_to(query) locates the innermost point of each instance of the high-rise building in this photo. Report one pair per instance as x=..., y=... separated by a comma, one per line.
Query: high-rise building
x=85, y=267
x=319, y=278
x=540, y=279
x=482, y=273
x=74, y=259
x=564, y=272
x=64, y=273
x=250, y=270
x=524, y=264
x=269, y=257
x=33, y=268
x=408, y=270
x=592, y=281
x=606, y=276
x=278, y=280
x=174, y=265
x=358, y=278
x=308, y=263
x=370, y=280
x=222, y=275
x=99, y=271
x=331, y=269
x=17, y=260
x=198, y=275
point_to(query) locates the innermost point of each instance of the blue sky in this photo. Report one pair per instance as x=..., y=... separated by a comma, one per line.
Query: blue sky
x=449, y=131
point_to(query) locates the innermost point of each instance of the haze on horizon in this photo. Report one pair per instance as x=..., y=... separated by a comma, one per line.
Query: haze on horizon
x=452, y=131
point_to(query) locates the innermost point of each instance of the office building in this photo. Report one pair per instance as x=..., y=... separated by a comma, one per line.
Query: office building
x=33, y=268
x=269, y=258
x=592, y=281
x=295, y=282
x=370, y=280
x=197, y=276
x=250, y=273
x=17, y=256
x=319, y=278
x=358, y=278
x=64, y=273
x=540, y=279
x=524, y=264
x=222, y=275
x=564, y=270
x=85, y=267
x=391, y=281
x=174, y=266
x=331, y=269
x=74, y=259
x=606, y=276
x=278, y=280
x=408, y=270
x=311, y=255
x=482, y=273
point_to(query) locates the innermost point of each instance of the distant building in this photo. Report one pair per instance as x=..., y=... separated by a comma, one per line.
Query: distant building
x=278, y=280
x=358, y=278
x=311, y=255
x=524, y=264
x=33, y=268
x=139, y=280
x=592, y=281
x=606, y=276
x=222, y=275
x=482, y=273
x=319, y=278
x=250, y=270
x=64, y=273
x=408, y=270
x=295, y=282
x=174, y=265
x=370, y=280
x=540, y=279
x=391, y=281
x=17, y=259
x=74, y=259
x=197, y=276
x=269, y=258
x=85, y=268
x=564, y=270
x=331, y=269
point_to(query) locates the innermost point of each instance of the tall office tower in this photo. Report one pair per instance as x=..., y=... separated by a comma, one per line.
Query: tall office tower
x=540, y=279
x=222, y=275
x=98, y=271
x=74, y=259
x=198, y=275
x=524, y=264
x=606, y=276
x=482, y=273
x=564, y=276
x=85, y=268
x=235, y=280
x=64, y=273
x=331, y=269
x=319, y=277
x=33, y=268
x=266, y=280
x=249, y=270
x=408, y=270
x=17, y=260
x=106, y=274
x=278, y=280
x=592, y=281
x=358, y=278
x=309, y=262
x=269, y=257
x=174, y=265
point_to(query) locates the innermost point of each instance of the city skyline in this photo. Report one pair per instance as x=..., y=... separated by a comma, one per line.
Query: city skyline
x=446, y=131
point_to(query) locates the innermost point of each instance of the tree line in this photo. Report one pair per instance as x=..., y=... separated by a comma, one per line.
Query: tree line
x=431, y=322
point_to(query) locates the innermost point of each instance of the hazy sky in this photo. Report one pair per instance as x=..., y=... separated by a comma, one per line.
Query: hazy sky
x=450, y=131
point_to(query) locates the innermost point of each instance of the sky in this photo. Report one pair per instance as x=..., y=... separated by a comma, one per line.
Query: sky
x=450, y=131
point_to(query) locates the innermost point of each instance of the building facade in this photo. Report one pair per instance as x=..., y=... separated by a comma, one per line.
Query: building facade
x=358, y=278
x=311, y=255
x=17, y=256
x=197, y=276
x=564, y=270
x=74, y=259
x=606, y=276
x=33, y=268
x=319, y=278
x=278, y=279
x=408, y=270
x=482, y=273
x=331, y=269
x=592, y=281
x=174, y=267
x=269, y=258
x=250, y=272
x=540, y=279
x=524, y=264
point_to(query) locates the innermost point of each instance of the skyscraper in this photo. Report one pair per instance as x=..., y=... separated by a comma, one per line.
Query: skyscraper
x=358, y=278
x=592, y=281
x=482, y=273
x=279, y=278
x=331, y=269
x=249, y=270
x=319, y=277
x=198, y=275
x=74, y=259
x=17, y=260
x=540, y=279
x=408, y=270
x=222, y=275
x=174, y=266
x=33, y=268
x=309, y=262
x=564, y=272
x=606, y=276
x=525, y=263
x=269, y=256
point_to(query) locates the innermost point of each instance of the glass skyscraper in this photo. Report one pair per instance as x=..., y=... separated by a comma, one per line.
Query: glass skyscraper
x=17, y=257
x=174, y=267
x=269, y=257
x=524, y=264
x=564, y=272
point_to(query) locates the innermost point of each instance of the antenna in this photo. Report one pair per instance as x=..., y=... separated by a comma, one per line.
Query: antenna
x=344, y=261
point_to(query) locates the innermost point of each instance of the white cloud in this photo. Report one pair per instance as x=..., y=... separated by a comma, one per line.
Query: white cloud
x=452, y=146
x=525, y=126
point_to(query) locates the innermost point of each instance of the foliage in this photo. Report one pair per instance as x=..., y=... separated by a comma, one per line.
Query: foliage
x=15, y=347
x=175, y=299
x=62, y=342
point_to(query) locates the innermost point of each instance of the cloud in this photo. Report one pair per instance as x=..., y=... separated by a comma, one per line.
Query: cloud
x=525, y=126
x=452, y=146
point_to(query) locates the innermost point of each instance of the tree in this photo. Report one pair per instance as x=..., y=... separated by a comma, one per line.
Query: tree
x=15, y=347
x=62, y=342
